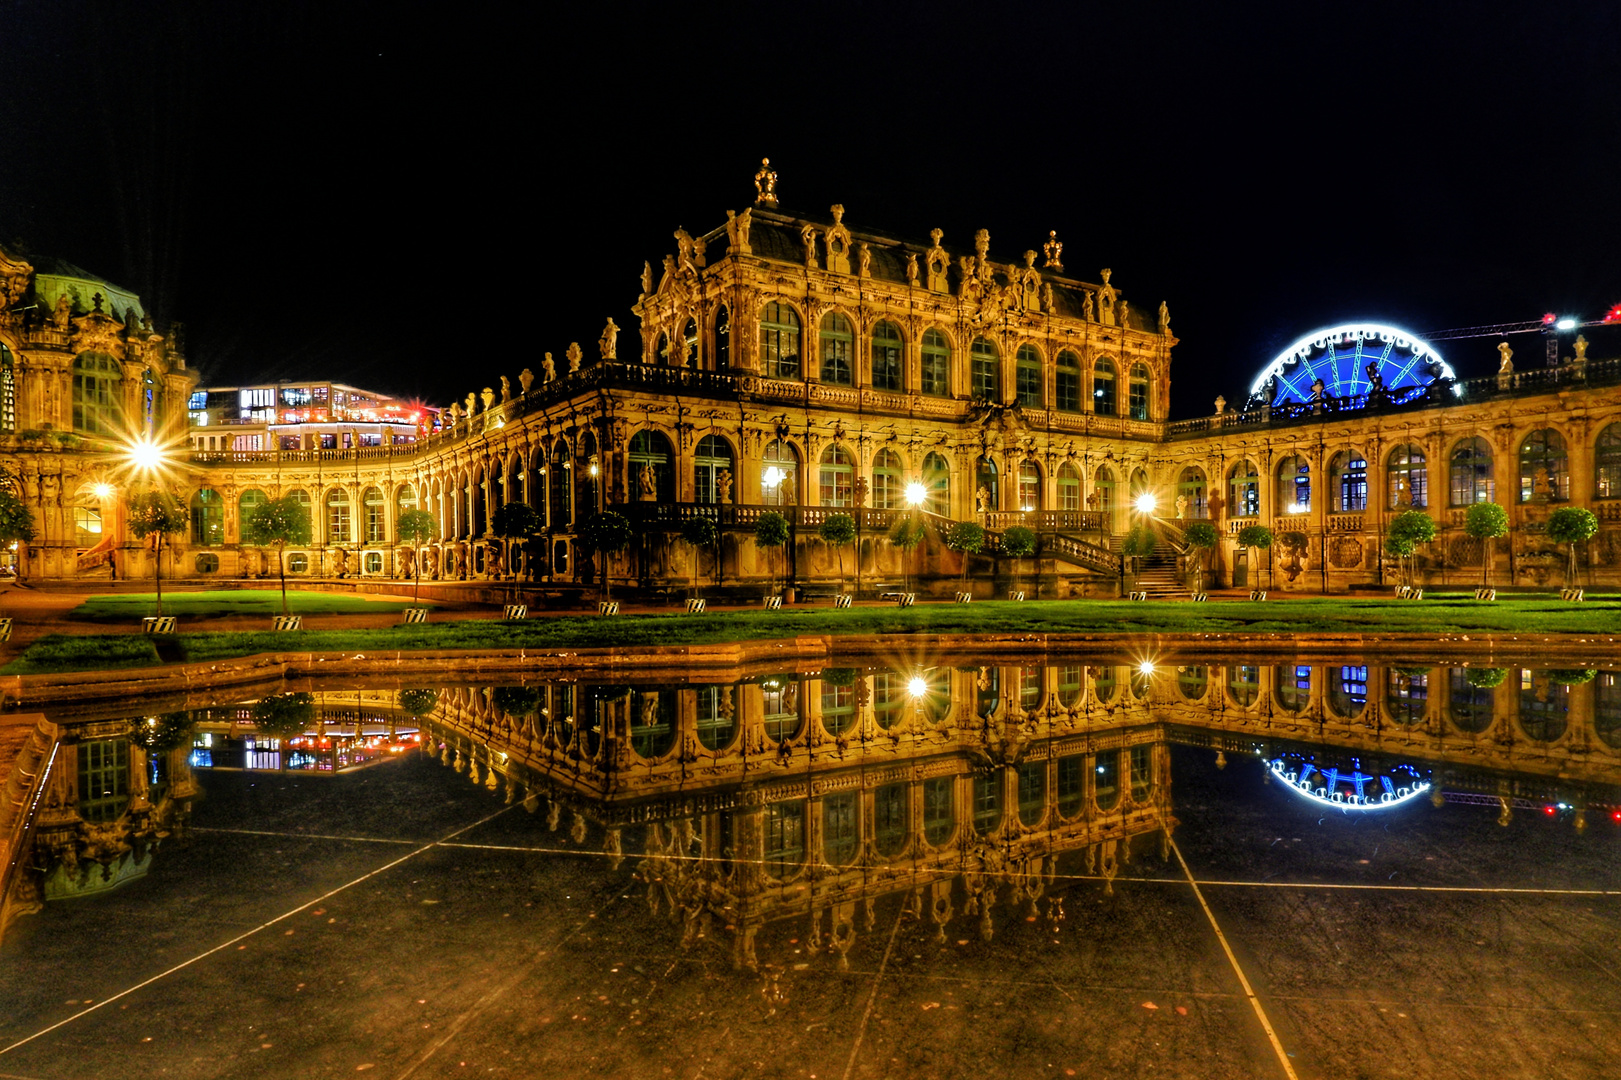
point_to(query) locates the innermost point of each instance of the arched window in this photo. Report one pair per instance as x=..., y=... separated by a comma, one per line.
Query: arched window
x=651, y=476
x=1067, y=384
x=661, y=350
x=1407, y=695
x=723, y=339
x=887, y=354
x=149, y=400
x=1103, y=485
x=337, y=517
x=937, y=481
x=1103, y=396
x=376, y=511
x=1029, y=486
x=836, y=482
x=1471, y=705
x=1027, y=377
x=1243, y=490
x=1606, y=463
x=1348, y=481
x=984, y=380
x=1139, y=485
x=95, y=394
x=1137, y=404
x=249, y=501
x=1069, y=487
x=1406, y=478
x=405, y=500
x=1348, y=690
x=986, y=489
x=207, y=518
x=838, y=349
x=1469, y=476
x=1106, y=780
x=1544, y=706
x=1243, y=684
x=1293, y=688
x=935, y=375
x=939, y=810
x=302, y=498
x=713, y=472
x=1195, y=501
x=560, y=486
x=888, y=481
x=779, y=475
x=1544, y=467
x=8, y=390
x=1294, y=485
x=779, y=341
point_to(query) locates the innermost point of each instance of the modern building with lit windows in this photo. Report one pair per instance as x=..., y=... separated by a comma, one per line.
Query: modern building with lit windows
x=301, y=416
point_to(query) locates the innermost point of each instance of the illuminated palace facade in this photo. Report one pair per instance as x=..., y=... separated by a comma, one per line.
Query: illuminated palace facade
x=794, y=363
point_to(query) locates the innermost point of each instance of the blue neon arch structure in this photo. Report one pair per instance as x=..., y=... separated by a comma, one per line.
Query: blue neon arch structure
x=1350, y=789
x=1339, y=355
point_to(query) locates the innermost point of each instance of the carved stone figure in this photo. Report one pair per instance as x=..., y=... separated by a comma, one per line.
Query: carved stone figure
x=609, y=342
x=1047, y=296
x=723, y=486
x=700, y=249
x=506, y=389
x=1053, y=249
x=1120, y=316
x=864, y=258
x=647, y=277
x=1181, y=507
x=982, y=247
x=1088, y=312
x=471, y=399
x=982, y=500
x=574, y=354
x=526, y=379
x=1164, y=319
x=1106, y=298
x=911, y=270
x=548, y=369
x=1505, y=366
x=455, y=414
x=1221, y=404
x=488, y=397
x=1318, y=387
x=1376, y=381
x=1541, y=485
x=745, y=221
x=1580, y=345
x=645, y=489
x=938, y=263
x=63, y=313
x=765, y=184
x=808, y=235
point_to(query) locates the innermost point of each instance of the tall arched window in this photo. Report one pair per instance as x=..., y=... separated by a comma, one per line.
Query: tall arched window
x=1606, y=463
x=935, y=374
x=652, y=477
x=723, y=339
x=249, y=501
x=887, y=355
x=689, y=343
x=149, y=400
x=1348, y=481
x=1029, y=486
x=838, y=349
x=1191, y=488
x=1069, y=487
x=1243, y=490
x=1067, y=382
x=1139, y=485
x=986, y=489
x=984, y=381
x=1103, y=485
x=937, y=481
x=1103, y=395
x=1544, y=467
x=339, y=529
x=95, y=394
x=375, y=509
x=1027, y=377
x=207, y=518
x=888, y=481
x=779, y=475
x=560, y=486
x=714, y=457
x=779, y=341
x=1469, y=473
x=836, y=477
x=1406, y=478
x=1137, y=403
x=1294, y=485
x=8, y=390
x=406, y=499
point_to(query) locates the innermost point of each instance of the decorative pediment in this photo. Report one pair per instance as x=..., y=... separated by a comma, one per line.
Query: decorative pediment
x=14, y=274
x=98, y=332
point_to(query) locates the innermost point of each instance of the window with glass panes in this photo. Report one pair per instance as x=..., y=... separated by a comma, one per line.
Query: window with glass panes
x=1027, y=377
x=935, y=374
x=1071, y=679
x=937, y=481
x=716, y=716
x=713, y=458
x=1106, y=780
x=1069, y=488
x=1348, y=690
x=1348, y=480
x=939, y=809
x=376, y=515
x=1469, y=473
x=887, y=356
x=560, y=486
x=888, y=481
x=1103, y=396
x=1192, y=680
x=984, y=381
x=1029, y=487
x=1407, y=694
x=1243, y=490
x=103, y=779
x=207, y=518
x=1029, y=688
x=1406, y=478
x=337, y=517
x=836, y=477
x=838, y=350
x=889, y=698
x=651, y=450
x=987, y=803
x=838, y=707
x=86, y=526
x=1032, y=792
x=1067, y=385
x=1140, y=762
x=1243, y=683
x=889, y=818
x=1137, y=389
x=784, y=837
x=723, y=339
x=1190, y=488
x=780, y=701
x=1294, y=485
x=1543, y=461
x=779, y=341
x=779, y=474
x=1294, y=687
x=95, y=394
x=1470, y=706
x=1071, y=784
x=840, y=834
x=1607, y=463
x=8, y=390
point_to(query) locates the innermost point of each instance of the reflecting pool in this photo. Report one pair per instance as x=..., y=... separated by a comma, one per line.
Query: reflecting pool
x=1105, y=864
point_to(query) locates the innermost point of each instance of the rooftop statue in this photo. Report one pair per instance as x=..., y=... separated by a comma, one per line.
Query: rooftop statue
x=574, y=356
x=1164, y=319
x=765, y=184
x=1053, y=249
x=609, y=342
x=548, y=368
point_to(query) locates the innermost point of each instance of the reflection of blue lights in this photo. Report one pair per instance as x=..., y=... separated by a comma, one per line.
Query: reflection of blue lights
x=1350, y=790
x=1339, y=356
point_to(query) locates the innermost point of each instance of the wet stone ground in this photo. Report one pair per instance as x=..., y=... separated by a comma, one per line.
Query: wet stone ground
x=404, y=923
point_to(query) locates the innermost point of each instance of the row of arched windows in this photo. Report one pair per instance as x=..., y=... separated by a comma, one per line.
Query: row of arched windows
x=335, y=521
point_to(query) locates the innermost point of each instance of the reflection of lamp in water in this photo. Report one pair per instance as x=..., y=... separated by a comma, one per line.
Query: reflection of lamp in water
x=1146, y=668
x=917, y=686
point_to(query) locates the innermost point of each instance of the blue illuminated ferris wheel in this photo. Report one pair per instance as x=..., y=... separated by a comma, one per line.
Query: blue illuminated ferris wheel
x=1341, y=357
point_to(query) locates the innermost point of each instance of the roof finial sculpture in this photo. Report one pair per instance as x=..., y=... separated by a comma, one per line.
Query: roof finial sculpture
x=1054, y=250
x=765, y=184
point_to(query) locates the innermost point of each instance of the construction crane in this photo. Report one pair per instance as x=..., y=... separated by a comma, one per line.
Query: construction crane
x=1550, y=326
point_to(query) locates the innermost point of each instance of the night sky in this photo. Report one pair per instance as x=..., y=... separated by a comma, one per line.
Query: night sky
x=420, y=199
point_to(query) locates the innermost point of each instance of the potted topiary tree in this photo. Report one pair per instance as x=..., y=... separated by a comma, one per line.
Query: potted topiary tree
x=1255, y=538
x=906, y=534
x=1200, y=537
x=966, y=538
x=698, y=533
x=606, y=533
x=1570, y=525
x=413, y=528
x=837, y=530
x=277, y=523
x=771, y=532
x=156, y=515
x=1409, y=529
x=1485, y=522
x=518, y=524
x=1018, y=542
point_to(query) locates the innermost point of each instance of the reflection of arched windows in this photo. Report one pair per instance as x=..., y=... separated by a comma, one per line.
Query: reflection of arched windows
x=836, y=477
x=985, y=485
x=779, y=341
x=1137, y=402
x=838, y=706
x=1141, y=777
x=841, y=831
x=1103, y=392
x=779, y=474
x=939, y=810
x=1243, y=490
x=1469, y=476
x=985, y=382
x=1069, y=487
x=207, y=518
x=1029, y=486
x=987, y=803
x=95, y=394
x=375, y=523
x=1607, y=709
x=1606, y=462
x=890, y=819
x=1544, y=706
x=887, y=356
x=1071, y=784
x=652, y=721
x=1192, y=680
x=1470, y=704
x=1106, y=780
x=1103, y=684
x=1032, y=792
x=780, y=705
x=338, y=526
x=1071, y=684
x=935, y=375
x=8, y=390
x=149, y=398
x=1294, y=485
x=1348, y=690
x=838, y=349
x=1406, y=478
x=890, y=698
x=1067, y=382
x=716, y=716
x=1348, y=481
x=937, y=481
x=1544, y=467
x=103, y=779
x=1243, y=684
x=1294, y=687
x=1407, y=694
x=650, y=451
x=714, y=457
x=1190, y=488
x=1027, y=377
x=888, y=481
x=784, y=837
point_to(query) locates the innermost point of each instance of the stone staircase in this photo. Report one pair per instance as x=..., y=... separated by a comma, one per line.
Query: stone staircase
x=1159, y=575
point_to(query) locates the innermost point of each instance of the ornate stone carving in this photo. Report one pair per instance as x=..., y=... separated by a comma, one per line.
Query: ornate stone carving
x=838, y=243
x=471, y=401
x=96, y=332
x=1164, y=319
x=609, y=342
x=574, y=355
x=63, y=315
x=808, y=235
x=548, y=368
x=1120, y=316
x=700, y=249
x=938, y=263
x=684, y=252
x=13, y=280
x=765, y=184
x=526, y=379
x=1106, y=298
x=647, y=277
x=1088, y=312
x=506, y=389
x=1053, y=249
x=864, y=260
x=1345, y=553
x=911, y=270
x=982, y=247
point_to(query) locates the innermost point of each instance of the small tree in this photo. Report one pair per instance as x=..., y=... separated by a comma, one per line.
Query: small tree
x=1486, y=522
x=16, y=520
x=698, y=533
x=967, y=538
x=906, y=534
x=1409, y=529
x=418, y=702
x=415, y=528
x=156, y=514
x=1018, y=542
x=838, y=530
x=286, y=716
x=518, y=524
x=1570, y=525
x=1201, y=536
x=1138, y=543
x=1255, y=538
x=277, y=523
x=771, y=531
x=606, y=532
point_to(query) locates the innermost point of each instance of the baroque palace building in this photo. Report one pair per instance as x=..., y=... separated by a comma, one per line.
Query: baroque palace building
x=790, y=362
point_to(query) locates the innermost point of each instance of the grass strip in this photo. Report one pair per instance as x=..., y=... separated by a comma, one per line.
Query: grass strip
x=128, y=607
x=57, y=653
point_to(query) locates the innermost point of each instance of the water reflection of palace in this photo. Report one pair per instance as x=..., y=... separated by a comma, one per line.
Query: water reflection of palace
x=323, y=733
x=809, y=797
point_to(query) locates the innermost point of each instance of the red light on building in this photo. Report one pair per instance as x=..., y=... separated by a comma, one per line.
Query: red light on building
x=1549, y=319
x=1550, y=810
x=1613, y=315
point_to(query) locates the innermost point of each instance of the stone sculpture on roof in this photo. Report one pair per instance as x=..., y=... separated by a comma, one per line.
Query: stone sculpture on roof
x=765, y=184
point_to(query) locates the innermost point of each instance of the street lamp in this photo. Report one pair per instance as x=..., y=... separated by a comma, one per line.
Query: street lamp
x=772, y=477
x=1146, y=503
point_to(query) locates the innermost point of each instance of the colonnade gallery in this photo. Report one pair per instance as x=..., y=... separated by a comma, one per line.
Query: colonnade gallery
x=792, y=364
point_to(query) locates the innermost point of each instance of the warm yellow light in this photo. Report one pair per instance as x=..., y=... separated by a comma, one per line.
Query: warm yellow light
x=1146, y=503
x=773, y=476
x=918, y=686
x=1146, y=667
x=102, y=491
x=145, y=454
x=916, y=493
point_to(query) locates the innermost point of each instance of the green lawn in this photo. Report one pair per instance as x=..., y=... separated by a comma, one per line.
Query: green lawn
x=1310, y=616
x=129, y=607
